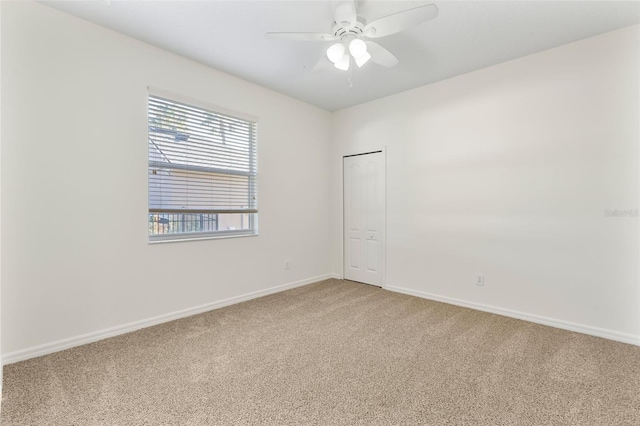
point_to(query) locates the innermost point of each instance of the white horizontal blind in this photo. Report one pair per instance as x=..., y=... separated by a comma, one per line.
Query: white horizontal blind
x=200, y=161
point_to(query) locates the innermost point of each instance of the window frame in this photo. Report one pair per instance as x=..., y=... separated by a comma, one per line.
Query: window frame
x=205, y=235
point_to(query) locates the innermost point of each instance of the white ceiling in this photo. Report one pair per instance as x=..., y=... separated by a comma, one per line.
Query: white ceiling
x=466, y=36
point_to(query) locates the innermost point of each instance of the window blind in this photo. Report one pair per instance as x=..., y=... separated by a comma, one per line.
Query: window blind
x=200, y=161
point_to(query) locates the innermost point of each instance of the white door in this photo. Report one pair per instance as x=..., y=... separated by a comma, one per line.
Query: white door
x=364, y=207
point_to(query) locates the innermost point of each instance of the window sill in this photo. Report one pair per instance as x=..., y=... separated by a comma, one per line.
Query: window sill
x=200, y=238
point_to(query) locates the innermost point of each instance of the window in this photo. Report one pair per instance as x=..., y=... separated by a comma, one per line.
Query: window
x=202, y=171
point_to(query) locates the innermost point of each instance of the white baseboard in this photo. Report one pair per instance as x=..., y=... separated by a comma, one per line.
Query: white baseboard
x=71, y=342
x=565, y=325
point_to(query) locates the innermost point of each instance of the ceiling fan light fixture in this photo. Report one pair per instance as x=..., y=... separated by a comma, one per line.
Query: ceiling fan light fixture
x=343, y=63
x=350, y=31
x=335, y=52
x=363, y=59
x=358, y=48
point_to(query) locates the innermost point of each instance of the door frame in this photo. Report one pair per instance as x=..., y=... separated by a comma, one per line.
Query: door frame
x=383, y=266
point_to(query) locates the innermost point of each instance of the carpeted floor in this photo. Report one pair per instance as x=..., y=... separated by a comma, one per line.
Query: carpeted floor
x=332, y=353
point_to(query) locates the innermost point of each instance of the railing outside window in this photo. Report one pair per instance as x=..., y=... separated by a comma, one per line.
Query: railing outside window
x=177, y=223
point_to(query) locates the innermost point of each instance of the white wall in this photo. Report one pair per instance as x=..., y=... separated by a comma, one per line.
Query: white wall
x=75, y=257
x=1, y=364
x=507, y=172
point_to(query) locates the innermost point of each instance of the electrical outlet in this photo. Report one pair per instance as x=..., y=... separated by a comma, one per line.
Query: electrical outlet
x=480, y=279
x=287, y=264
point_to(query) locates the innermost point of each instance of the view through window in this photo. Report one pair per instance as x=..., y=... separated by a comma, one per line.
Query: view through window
x=202, y=171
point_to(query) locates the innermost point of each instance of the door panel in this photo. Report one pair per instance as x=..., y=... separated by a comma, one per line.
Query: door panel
x=372, y=256
x=355, y=251
x=364, y=208
x=371, y=212
x=355, y=202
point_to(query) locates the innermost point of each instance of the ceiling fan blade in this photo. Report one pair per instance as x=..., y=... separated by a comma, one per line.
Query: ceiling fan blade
x=400, y=21
x=344, y=12
x=301, y=36
x=380, y=55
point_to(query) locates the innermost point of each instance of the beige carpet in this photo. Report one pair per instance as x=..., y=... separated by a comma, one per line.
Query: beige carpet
x=332, y=353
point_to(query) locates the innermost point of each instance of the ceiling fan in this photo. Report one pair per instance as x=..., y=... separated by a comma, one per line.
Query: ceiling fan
x=351, y=32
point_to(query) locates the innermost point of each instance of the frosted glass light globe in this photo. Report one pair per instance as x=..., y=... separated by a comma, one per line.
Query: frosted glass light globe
x=363, y=59
x=343, y=63
x=357, y=48
x=335, y=52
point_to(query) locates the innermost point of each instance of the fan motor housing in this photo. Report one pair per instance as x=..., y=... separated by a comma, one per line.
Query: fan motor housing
x=342, y=32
